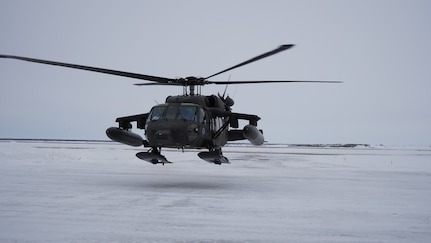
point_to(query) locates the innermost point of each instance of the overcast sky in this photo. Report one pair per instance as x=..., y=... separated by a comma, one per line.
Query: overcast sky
x=380, y=50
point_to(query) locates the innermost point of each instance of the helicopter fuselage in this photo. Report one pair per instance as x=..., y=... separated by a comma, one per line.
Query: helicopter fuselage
x=187, y=122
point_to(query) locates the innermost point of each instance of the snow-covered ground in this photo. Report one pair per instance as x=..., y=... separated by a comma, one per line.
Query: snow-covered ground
x=100, y=192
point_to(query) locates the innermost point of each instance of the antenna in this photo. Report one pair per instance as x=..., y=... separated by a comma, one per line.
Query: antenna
x=226, y=86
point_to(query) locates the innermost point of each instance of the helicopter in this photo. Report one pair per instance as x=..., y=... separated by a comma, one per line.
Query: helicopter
x=187, y=121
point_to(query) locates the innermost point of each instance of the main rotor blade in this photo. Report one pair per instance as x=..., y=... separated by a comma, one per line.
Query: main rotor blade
x=94, y=69
x=158, y=83
x=269, y=81
x=267, y=54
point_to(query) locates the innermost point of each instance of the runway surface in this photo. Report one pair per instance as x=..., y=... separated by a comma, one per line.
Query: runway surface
x=100, y=192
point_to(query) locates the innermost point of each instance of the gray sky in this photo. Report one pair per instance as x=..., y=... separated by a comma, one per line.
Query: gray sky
x=380, y=49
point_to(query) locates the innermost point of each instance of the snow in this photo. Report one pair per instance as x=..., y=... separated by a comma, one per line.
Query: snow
x=100, y=192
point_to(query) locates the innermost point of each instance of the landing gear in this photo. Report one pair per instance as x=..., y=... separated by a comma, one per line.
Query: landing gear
x=214, y=156
x=153, y=156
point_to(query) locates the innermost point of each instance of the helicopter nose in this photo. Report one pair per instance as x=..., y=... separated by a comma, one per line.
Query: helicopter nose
x=175, y=134
x=163, y=137
x=162, y=134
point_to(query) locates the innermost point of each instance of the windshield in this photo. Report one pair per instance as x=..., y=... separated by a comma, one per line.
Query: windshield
x=157, y=113
x=187, y=113
x=183, y=112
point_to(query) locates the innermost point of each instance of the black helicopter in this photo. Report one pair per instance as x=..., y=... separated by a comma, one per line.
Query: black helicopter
x=185, y=121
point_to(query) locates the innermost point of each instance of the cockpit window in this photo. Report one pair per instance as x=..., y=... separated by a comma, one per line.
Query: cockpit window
x=171, y=113
x=182, y=112
x=187, y=113
x=157, y=113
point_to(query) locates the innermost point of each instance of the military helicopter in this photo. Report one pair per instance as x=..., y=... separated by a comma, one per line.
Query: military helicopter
x=187, y=121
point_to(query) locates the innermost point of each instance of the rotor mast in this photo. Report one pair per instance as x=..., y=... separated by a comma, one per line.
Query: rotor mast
x=192, y=85
x=192, y=90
